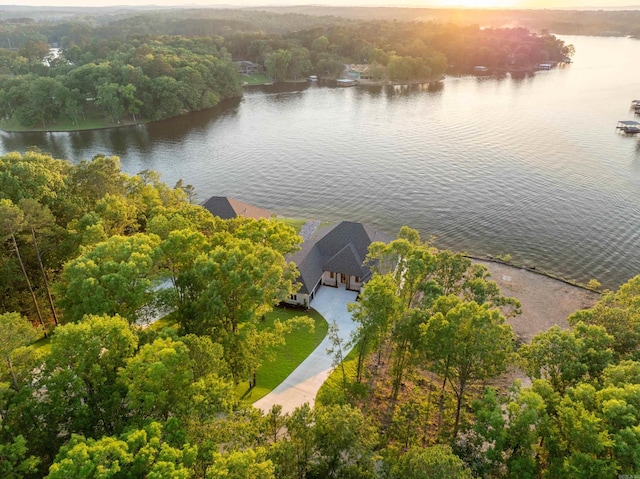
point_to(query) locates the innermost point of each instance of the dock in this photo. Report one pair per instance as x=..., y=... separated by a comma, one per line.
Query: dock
x=628, y=126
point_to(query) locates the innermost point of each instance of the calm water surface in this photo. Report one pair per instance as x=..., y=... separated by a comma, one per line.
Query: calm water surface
x=532, y=166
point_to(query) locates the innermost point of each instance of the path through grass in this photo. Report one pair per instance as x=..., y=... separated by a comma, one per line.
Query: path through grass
x=299, y=344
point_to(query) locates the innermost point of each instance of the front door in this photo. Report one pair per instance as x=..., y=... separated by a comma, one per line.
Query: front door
x=344, y=279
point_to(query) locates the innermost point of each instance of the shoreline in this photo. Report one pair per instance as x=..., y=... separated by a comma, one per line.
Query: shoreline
x=532, y=270
x=94, y=128
x=546, y=301
x=365, y=83
x=120, y=125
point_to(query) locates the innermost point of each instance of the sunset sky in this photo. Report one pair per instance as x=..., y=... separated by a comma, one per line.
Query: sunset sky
x=567, y=4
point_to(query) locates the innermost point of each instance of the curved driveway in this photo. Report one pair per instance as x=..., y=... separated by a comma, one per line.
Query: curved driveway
x=303, y=383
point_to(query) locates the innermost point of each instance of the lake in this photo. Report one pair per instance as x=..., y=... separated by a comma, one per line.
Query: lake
x=531, y=167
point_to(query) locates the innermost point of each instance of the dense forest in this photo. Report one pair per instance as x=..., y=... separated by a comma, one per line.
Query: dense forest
x=154, y=78
x=597, y=21
x=85, y=249
x=155, y=65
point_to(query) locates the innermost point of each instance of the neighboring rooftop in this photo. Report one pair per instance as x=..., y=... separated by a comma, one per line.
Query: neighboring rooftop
x=227, y=208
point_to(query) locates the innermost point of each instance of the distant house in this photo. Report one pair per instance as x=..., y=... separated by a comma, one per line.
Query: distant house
x=246, y=67
x=334, y=256
x=359, y=71
x=227, y=208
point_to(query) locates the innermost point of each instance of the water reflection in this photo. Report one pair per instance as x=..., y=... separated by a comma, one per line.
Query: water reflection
x=123, y=141
x=517, y=77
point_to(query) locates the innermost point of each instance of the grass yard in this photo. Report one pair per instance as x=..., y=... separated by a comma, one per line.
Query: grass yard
x=255, y=79
x=300, y=343
x=295, y=223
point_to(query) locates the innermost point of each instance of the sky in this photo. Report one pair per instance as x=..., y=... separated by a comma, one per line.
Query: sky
x=566, y=4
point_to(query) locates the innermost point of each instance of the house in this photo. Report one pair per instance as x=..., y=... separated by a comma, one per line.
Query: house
x=334, y=256
x=246, y=67
x=227, y=208
x=359, y=71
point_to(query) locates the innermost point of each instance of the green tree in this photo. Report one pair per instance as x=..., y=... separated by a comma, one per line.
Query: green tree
x=147, y=452
x=15, y=331
x=112, y=278
x=374, y=312
x=158, y=380
x=506, y=433
x=234, y=285
x=278, y=64
x=294, y=453
x=466, y=343
x=619, y=313
x=248, y=464
x=13, y=463
x=80, y=375
x=109, y=99
x=345, y=442
x=436, y=462
x=130, y=102
x=567, y=357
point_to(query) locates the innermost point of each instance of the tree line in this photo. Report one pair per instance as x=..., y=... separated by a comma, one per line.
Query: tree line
x=151, y=78
x=115, y=70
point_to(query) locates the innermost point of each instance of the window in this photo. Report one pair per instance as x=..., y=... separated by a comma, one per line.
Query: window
x=357, y=279
x=293, y=297
x=332, y=275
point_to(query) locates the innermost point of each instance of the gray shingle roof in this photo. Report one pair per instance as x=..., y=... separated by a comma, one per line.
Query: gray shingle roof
x=340, y=248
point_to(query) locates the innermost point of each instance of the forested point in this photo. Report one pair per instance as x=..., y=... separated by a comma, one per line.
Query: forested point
x=90, y=255
x=107, y=70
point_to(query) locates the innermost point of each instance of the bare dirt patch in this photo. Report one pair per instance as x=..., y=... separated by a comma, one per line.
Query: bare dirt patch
x=545, y=301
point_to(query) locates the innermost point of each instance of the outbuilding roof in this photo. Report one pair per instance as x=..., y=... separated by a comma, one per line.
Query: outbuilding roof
x=227, y=208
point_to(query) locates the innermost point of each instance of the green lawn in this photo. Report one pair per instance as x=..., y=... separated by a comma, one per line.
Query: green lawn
x=300, y=343
x=255, y=79
x=295, y=223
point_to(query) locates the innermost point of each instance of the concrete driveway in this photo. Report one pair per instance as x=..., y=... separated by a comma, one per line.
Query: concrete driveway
x=303, y=383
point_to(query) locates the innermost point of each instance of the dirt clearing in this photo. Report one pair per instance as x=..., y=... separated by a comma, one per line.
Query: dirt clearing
x=545, y=301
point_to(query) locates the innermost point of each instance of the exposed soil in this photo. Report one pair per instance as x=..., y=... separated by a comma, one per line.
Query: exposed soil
x=545, y=301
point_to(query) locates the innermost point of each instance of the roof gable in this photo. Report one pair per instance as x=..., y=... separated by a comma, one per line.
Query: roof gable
x=346, y=261
x=340, y=248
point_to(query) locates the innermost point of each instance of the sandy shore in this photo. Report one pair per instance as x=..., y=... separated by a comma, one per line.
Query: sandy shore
x=545, y=301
